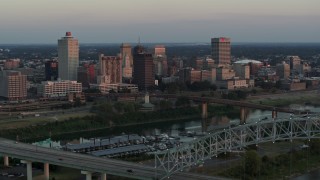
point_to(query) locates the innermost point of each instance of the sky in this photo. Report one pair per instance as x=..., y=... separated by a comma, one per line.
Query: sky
x=181, y=21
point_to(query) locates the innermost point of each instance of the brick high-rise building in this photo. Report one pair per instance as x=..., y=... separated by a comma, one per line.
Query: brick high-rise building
x=221, y=50
x=143, y=74
x=51, y=70
x=283, y=70
x=110, y=69
x=68, y=56
x=13, y=85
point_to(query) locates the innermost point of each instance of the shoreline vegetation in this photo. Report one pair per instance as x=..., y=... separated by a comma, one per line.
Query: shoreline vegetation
x=107, y=120
x=109, y=116
x=285, y=165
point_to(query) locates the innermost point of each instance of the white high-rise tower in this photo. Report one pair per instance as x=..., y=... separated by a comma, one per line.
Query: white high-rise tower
x=68, y=56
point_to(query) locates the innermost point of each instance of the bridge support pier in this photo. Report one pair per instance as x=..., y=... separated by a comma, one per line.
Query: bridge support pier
x=274, y=114
x=29, y=169
x=6, y=160
x=46, y=171
x=243, y=115
x=88, y=174
x=204, y=125
x=204, y=110
x=103, y=176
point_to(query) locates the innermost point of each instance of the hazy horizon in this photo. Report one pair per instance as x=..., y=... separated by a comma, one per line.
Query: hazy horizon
x=166, y=21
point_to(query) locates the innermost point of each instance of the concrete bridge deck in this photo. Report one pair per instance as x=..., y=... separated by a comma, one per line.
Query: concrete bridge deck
x=83, y=162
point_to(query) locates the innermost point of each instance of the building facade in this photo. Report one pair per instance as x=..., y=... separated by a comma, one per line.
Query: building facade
x=110, y=69
x=68, y=56
x=225, y=73
x=242, y=70
x=294, y=62
x=143, y=73
x=221, y=50
x=13, y=85
x=54, y=89
x=118, y=88
x=51, y=70
x=283, y=70
x=160, y=61
x=11, y=64
x=127, y=60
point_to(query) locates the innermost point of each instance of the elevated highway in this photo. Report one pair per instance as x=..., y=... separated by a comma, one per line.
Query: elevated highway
x=86, y=163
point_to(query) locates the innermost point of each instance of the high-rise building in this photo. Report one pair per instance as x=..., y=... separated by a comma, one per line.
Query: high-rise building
x=110, y=69
x=68, y=56
x=295, y=63
x=143, y=74
x=221, y=50
x=86, y=74
x=127, y=60
x=283, y=70
x=51, y=70
x=160, y=61
x=242, y=70
x=13, y=85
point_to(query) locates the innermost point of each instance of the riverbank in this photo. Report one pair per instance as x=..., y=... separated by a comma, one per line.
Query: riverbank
x=285, y=99
x=89, y=123
x=277, y=163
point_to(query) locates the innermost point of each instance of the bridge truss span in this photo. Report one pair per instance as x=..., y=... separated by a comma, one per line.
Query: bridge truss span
x=233, y=138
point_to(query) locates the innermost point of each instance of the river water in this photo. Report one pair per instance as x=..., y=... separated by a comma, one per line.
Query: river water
x=173, y=128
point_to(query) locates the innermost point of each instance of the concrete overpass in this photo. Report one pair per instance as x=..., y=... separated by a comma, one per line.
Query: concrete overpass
x=87, y=164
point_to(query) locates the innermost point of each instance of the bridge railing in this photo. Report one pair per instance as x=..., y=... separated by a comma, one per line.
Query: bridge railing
x=233, y=138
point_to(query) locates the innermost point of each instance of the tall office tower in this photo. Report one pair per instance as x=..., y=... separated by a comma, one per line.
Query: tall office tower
x=143, y=74
x=295, y=63
x=127, y=60
x=283, y=70
x=13, y=85
x=221, y=50
x=87, y=75
x=160, y=61
x=110, y=69
x=51, y=70
x=68, y=56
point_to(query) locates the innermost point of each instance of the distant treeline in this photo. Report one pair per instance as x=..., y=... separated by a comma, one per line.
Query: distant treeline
x=258, y=51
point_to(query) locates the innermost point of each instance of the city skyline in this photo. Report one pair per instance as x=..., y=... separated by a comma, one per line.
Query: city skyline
x=37, y=21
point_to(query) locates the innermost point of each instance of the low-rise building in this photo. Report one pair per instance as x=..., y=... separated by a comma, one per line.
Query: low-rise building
x=121, y=87
x=231, y=84
x=54, y=89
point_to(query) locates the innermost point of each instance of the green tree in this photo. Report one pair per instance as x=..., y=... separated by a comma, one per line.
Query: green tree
x=77, y=102
x=182, y=101
x=164, y=104
x=252, y=162
x=315, y=146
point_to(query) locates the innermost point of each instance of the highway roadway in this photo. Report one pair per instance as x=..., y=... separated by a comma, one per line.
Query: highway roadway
x=86, y=162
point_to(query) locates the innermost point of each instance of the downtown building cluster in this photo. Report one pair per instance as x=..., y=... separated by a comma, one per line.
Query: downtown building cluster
x=137, y=68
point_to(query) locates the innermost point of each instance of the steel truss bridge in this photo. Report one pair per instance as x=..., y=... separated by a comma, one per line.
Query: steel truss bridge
x=233, y=138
